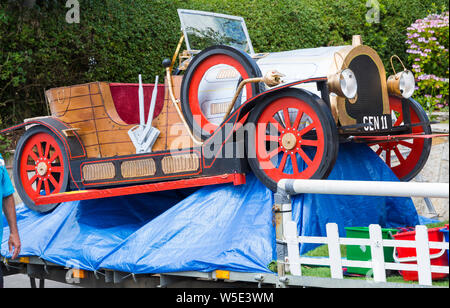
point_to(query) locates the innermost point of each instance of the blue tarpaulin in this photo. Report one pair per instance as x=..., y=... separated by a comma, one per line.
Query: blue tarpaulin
x=217, y=227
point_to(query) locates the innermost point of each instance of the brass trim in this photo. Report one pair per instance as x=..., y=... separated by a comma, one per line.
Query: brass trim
x=348, y=53
x=70, y=132
x=177, y=107
x=177, y=51
x=138, y=168
x=334, y=108
x=175, y=101
x=393, y=85
x=271, y=79
x=238, y=91
x=392, y=64
x=357, y=40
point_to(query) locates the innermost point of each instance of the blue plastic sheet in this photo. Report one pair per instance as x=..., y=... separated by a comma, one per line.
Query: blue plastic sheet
x=217, y=227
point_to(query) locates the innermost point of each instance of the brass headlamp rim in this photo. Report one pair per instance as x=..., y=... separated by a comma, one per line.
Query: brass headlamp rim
x=334, y=84
x=393, y=83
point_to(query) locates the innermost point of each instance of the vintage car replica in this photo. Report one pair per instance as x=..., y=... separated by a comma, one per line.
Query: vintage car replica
x=223, y=110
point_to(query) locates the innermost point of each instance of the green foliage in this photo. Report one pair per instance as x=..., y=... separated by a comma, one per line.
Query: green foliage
x=117, y=40
x=4, y=147
x=428, y=50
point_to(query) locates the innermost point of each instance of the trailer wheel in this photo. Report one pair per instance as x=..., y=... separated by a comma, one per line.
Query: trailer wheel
x=41, y=167
x=406, y=158
x=294, y=137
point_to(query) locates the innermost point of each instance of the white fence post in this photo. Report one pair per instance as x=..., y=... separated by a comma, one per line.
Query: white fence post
x=423, y=256
x=293, y=248
x=377, y=252
x=334, y=251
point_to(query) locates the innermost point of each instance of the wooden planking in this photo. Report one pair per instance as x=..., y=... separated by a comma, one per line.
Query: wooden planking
x=64, y=99
x=170, y=124
x=112, y=132
x=112, y=136
x=117, y=149
x=90, y=109
x=103, y=124
x=73, y=105
x=89, y=138
x=93, y=151
x=176, y=131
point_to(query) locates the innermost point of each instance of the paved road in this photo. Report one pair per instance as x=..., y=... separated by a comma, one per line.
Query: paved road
x=22, y=281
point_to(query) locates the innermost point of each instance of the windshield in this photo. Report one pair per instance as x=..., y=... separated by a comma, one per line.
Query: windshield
x=203, y=29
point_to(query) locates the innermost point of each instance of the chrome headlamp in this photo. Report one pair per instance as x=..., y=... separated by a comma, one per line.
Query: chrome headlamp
x=343, y=83
x=402, y=84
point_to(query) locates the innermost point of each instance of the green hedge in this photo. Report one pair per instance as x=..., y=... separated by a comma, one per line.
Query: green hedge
x=117, y=40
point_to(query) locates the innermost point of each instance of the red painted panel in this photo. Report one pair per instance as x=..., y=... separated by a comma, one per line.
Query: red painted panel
x=236, y=179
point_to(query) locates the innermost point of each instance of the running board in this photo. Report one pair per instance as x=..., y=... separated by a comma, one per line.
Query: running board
x=395, y=137
x=236, y=179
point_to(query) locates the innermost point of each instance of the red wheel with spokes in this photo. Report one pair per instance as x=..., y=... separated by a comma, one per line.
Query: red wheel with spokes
x=40, y=167
x=210, y=83
x=294, y=138
x=407, y=157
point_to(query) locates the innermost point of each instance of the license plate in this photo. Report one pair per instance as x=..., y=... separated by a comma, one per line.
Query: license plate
x=378, y=122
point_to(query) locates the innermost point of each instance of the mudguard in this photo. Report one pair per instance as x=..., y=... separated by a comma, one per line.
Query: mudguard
x=68, y=136
x=213, y=146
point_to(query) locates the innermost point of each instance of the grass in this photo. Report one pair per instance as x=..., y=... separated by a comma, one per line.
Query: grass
x=323, y=271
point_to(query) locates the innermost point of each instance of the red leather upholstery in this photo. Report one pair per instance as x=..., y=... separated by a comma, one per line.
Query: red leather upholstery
x=126, y=100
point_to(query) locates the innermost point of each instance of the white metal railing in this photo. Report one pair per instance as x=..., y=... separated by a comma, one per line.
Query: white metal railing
x=366, y=188
x=376, y=243
x=287, y=229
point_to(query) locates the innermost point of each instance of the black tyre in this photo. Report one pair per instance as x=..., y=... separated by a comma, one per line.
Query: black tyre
x=406, y=158
x=295, y=137
x=41, y=167
x=209, y=85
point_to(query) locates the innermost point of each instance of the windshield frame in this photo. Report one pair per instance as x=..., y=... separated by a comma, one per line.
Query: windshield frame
x=194, y=12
